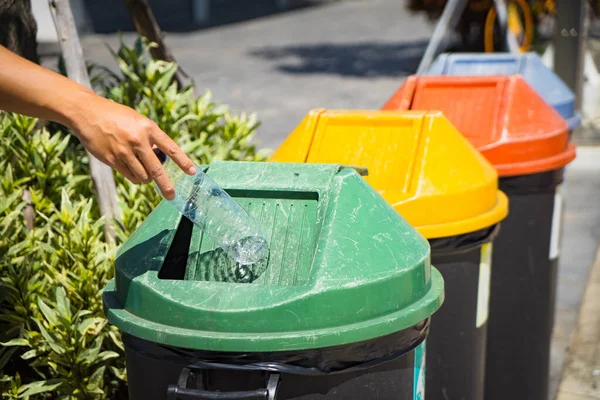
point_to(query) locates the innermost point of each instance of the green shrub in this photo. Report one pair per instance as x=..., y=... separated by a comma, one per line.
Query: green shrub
x=55, y=341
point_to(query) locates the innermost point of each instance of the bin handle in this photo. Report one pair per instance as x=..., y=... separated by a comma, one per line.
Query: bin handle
x=182, y=392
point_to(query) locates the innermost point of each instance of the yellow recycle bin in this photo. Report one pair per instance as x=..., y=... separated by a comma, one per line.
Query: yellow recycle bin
x=444, y=187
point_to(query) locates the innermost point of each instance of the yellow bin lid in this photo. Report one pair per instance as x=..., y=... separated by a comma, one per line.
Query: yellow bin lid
x=416, y=160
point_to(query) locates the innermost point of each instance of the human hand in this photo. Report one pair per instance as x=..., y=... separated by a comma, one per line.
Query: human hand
x=122, y=138
x=115, y=134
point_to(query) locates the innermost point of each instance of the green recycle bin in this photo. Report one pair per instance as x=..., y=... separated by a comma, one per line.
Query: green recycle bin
x=339, y=310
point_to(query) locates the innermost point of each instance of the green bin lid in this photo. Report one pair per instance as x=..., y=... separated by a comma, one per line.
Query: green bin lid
x=343, y=267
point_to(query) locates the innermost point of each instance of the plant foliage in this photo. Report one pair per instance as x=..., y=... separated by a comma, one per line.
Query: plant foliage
x=54, y=340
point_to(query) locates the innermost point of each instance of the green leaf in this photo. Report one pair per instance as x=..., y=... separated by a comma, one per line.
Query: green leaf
x=62, y=145
x=5, y=291
x=119, y=373
x=116, y=340
x=5, y=356
x=10, y=318
x=49, y=339
x=9, y=201
x=96, y=378
x=107, y=355
x=16, y=343
x=167, y=78
x=9, y=333
x=48, y=313
x=62, y=303
x=90, y=355
x=46, y=247
x=85, y=325
x=30, y=354
x=84, y=313
x=41, y=387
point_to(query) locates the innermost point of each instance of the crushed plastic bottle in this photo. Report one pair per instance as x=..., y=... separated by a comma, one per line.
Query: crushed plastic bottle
x=219, y=216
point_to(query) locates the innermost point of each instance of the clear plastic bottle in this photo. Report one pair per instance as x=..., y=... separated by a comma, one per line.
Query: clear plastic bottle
x=202, y=201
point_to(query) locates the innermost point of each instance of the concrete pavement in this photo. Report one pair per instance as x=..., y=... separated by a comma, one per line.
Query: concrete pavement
x=581, y=377
x=581, y=234
x=349, y=54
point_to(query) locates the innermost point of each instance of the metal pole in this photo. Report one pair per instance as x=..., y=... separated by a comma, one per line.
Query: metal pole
x=569, y=45
x=502, y=14
x=448, y=20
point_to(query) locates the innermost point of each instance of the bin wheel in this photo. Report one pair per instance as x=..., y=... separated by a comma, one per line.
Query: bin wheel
x=191, y=376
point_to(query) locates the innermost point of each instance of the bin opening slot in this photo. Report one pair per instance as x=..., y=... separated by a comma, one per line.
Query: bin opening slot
x=290, y=219
x=173, y=267
x=484, y=67
x=479, y=95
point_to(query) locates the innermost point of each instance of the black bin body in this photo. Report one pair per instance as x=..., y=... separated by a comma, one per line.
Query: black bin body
x=378, y=369
x=523, y=289
x=457, y=342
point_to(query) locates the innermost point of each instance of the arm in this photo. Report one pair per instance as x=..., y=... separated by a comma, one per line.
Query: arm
x=117, y=135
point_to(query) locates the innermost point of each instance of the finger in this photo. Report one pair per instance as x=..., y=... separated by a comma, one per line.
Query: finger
x=157, y=172
x=136, y=167
x=170, y=148
x=125, y=171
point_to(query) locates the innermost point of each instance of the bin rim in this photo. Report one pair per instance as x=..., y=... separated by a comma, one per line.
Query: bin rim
x=270, y=341
x=547, y=164
x=475, y=223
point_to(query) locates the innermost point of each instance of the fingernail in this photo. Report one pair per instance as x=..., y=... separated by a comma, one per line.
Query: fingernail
x=192, y=170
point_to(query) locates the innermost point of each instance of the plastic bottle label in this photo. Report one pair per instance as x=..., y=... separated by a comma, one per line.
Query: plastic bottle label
x=419, y=375
x=556, y=224
x=483, y=290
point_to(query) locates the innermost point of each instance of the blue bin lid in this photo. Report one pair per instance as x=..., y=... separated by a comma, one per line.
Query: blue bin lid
x=549, y=86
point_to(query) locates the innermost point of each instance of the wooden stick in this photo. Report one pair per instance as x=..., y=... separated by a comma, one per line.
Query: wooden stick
x=147, y=27
x=28, y=211
x=102, y=174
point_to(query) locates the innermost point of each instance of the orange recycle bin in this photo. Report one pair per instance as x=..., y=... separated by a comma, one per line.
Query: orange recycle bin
x=528, y=143
x=431, y=175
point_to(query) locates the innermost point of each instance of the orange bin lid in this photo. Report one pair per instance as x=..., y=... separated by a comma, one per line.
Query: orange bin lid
x=417, y=161
x=502, y=116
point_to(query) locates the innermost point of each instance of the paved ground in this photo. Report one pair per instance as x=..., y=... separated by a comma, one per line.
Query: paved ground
x=342, y=55
x=354, y=54
x=581, y=378
x=580, y=241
